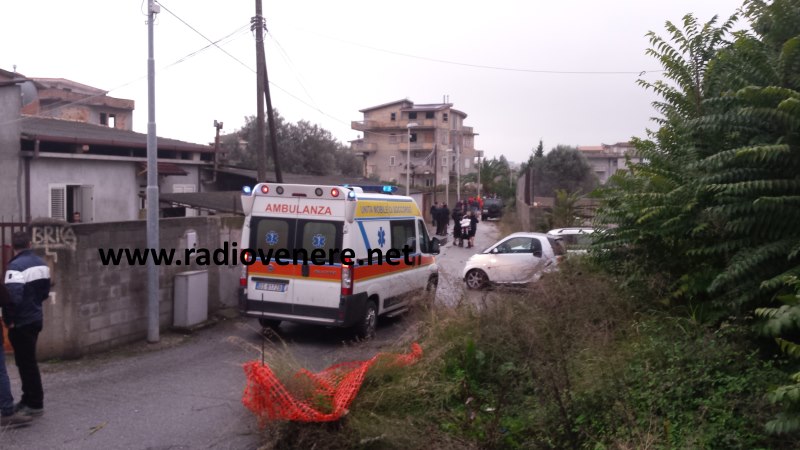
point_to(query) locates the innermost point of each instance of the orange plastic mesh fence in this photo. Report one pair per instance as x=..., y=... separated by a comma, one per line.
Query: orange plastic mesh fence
x=315, y=397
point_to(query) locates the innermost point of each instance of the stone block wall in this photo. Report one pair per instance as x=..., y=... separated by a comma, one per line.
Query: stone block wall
x=95, y=307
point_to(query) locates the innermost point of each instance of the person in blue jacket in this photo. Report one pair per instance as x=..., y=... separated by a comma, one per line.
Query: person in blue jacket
x=27, y=279
x=8, y=417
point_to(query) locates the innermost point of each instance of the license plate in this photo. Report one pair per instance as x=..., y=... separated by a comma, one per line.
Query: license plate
x=272, y=287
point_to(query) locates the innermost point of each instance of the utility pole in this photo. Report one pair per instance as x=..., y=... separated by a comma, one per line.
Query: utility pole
x=273, y=135
x=152, y=181
x=261, y=154
x=262, y=71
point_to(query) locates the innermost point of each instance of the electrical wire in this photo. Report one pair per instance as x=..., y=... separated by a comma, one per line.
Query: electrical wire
x=482, y=66
x=202, y=35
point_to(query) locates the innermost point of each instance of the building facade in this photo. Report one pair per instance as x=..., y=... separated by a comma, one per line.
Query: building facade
x=606, y=159
x=66, y=148
x=428, y=143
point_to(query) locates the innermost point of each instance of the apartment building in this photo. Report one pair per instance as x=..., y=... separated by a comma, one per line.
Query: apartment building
x=426, y=142
x=607, y=159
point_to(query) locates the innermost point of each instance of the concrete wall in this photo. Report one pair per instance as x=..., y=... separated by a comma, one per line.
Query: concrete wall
x=115, y=188
x=93, y=307
x=11, y=168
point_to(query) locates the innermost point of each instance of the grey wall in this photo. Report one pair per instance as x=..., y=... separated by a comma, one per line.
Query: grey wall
x=11, y=169
x=115, y=187
x=95, y=307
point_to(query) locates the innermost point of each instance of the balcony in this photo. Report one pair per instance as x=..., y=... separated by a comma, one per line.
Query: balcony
x=417, y=146
x=371, y=125
x=364, y=147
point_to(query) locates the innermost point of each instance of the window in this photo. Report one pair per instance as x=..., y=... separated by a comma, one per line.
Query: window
x=67, y=199
x=428, y=182
x=444, y=160
x=109, y=120
x=424, y=242
x=391, y=160
x=520, y=245
x=183, y=188
x=429, y=115
x=58, y=202
x=318, y=235
x=394, y=116
x=466, y=163
x=412, y=115
x=413, y=137
x=444, y=117
x=403, y=233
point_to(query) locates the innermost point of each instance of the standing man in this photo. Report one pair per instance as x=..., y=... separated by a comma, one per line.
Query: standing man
x=28, y=281
x=8, y=417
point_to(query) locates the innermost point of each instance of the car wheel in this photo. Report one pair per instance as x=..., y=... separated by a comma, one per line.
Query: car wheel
x=476, y=279
x=269, y=323
x=366, y=328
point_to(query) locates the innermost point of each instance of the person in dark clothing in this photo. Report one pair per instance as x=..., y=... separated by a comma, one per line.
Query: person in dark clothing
x=443, y=221
x=457, y=216
x=434, y=213
x=9, y=418
x=473, y=228
x=28, y=282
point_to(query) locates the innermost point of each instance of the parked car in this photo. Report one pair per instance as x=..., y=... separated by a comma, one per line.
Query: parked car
x=492, y=208
x=517, y=258
x=576, y=240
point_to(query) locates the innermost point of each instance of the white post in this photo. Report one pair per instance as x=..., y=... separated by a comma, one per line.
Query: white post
x=408, y=158
x=458, y=172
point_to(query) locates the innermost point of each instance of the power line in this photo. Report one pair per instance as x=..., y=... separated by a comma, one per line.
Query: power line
x=202, y=35
x=483, y=66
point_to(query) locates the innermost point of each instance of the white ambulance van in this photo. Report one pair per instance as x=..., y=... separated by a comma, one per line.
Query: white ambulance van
x=332, y=255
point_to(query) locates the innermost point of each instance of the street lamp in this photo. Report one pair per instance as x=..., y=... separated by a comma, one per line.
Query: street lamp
x=408, y=157
x=449, y=152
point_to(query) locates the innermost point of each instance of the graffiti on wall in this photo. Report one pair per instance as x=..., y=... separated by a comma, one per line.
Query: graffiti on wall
x=53, y=237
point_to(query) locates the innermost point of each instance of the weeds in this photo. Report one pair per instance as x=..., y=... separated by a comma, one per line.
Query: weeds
x=567, y=363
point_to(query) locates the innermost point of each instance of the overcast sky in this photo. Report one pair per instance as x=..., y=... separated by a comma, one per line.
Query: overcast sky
x=329, y=59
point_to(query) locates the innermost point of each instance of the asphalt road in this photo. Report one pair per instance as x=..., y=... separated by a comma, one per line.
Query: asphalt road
x=185, y=392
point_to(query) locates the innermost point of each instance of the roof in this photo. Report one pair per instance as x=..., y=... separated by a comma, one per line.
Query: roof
x=295, y=178
x=221, y=202
x=590, y=148
x=164, y=168
x=428, y=107
x=62, y=83
x=405, y=100
x=67, y=131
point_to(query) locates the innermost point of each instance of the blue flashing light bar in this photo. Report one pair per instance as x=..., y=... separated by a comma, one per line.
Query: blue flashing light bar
x=247, y=190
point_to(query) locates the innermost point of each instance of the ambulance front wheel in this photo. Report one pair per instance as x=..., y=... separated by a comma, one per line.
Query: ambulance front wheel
x=269, y=324
x=366, y=328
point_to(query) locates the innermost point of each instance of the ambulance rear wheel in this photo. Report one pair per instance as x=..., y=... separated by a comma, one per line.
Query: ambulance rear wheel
x=269, y=324
x=366, y=328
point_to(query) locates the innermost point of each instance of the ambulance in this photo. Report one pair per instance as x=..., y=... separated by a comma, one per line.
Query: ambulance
x=332, y=255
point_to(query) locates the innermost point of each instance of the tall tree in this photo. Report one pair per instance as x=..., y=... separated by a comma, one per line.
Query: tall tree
x=539, y=152
x=565, y=168
x=304, y=148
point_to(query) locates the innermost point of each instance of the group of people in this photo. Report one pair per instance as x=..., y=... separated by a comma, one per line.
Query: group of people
x=26, y=287
x=464, y=217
